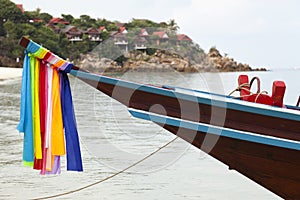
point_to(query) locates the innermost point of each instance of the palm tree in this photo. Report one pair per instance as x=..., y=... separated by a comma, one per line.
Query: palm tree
x=172, y=25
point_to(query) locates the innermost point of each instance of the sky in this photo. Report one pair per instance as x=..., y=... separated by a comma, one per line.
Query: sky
x=261, y=33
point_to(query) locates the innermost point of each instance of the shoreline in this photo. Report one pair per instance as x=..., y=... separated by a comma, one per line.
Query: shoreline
x=10, y=73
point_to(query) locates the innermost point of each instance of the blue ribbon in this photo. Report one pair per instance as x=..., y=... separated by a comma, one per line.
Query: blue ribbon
x=74, y=161
x=32, y=47
x=25, y=124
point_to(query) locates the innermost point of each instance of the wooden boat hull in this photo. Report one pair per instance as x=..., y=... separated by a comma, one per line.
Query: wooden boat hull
x=273, y=167
x=210, y=109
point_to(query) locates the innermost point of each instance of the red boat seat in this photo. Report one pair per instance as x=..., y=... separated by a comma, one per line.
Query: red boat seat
x=276, y=99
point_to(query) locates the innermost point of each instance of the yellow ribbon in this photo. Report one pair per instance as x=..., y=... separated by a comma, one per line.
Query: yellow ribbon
x=57, y=139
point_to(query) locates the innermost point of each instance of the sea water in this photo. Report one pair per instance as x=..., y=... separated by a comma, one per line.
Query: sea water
x=112, y=140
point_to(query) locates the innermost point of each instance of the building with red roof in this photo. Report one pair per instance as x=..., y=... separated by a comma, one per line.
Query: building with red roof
x=183, y=37
x=94, y=34
x=162, y=36
x=20, y=6
x=72, y=33
x=57, y=20
x=102, y=29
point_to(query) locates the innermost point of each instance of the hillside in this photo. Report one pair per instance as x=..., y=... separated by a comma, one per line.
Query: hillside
x=139, y=44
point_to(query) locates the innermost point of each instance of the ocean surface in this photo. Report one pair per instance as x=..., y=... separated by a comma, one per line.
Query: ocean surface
x=112, y=140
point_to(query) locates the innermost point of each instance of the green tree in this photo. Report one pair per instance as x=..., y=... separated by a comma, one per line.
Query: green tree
x=2, y=30
x=102, y=22
x=25, y=29
x=85, y=18
x=141, y=23
x=7, y=47
x=68, y=18
x=104, y=35
x=28, y=15
x=47, y=38
x=112, y=27
x=46, y=17
x=10, y=42
x=9, y=11
x=172, y=25
x=85, y=22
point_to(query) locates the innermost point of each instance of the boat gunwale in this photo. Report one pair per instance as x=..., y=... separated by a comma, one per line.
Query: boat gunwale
x=216, y=130
x=221, y=101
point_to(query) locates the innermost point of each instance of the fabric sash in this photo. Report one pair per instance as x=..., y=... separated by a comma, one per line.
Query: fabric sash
x=47, y=116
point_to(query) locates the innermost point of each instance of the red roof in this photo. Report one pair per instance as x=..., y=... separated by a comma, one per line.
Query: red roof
x=102, y=28
x=20, y=6
x=58, y=20
x=92, y=31
x=161, y=34
x=183, y=37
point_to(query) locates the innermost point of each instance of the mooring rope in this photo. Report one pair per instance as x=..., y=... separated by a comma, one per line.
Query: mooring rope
x=262, y=92
x=109, y=177
x=241, y=87
x=244, y=85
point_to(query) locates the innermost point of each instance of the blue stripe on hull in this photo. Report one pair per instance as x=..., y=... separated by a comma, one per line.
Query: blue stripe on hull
x=197, y=96
x=209, y=129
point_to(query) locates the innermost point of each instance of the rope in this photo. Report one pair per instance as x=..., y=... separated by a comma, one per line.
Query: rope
x=262, y=92
x=258, y=83
x=109, y=177
x=241, y=87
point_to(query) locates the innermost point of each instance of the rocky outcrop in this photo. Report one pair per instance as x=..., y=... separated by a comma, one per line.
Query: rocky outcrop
x=163, y=60
x=226, y=64
x=138, y=61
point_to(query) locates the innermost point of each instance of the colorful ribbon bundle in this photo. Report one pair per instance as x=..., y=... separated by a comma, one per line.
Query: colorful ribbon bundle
x=47, y=116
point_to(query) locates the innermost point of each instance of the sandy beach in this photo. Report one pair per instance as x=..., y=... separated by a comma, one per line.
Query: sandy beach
x=8, y=73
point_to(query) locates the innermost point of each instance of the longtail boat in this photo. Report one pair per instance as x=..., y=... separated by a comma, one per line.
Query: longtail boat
x=255, y=134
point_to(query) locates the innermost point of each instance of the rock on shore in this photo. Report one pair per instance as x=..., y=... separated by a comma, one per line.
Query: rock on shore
x=138, y=61
x=224, y=63
x=163, y=60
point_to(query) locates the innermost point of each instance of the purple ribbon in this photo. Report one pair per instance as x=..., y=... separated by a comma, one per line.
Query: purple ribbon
x=74, y=161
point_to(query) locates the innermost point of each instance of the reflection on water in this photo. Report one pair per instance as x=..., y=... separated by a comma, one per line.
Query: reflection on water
x=111, y=140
